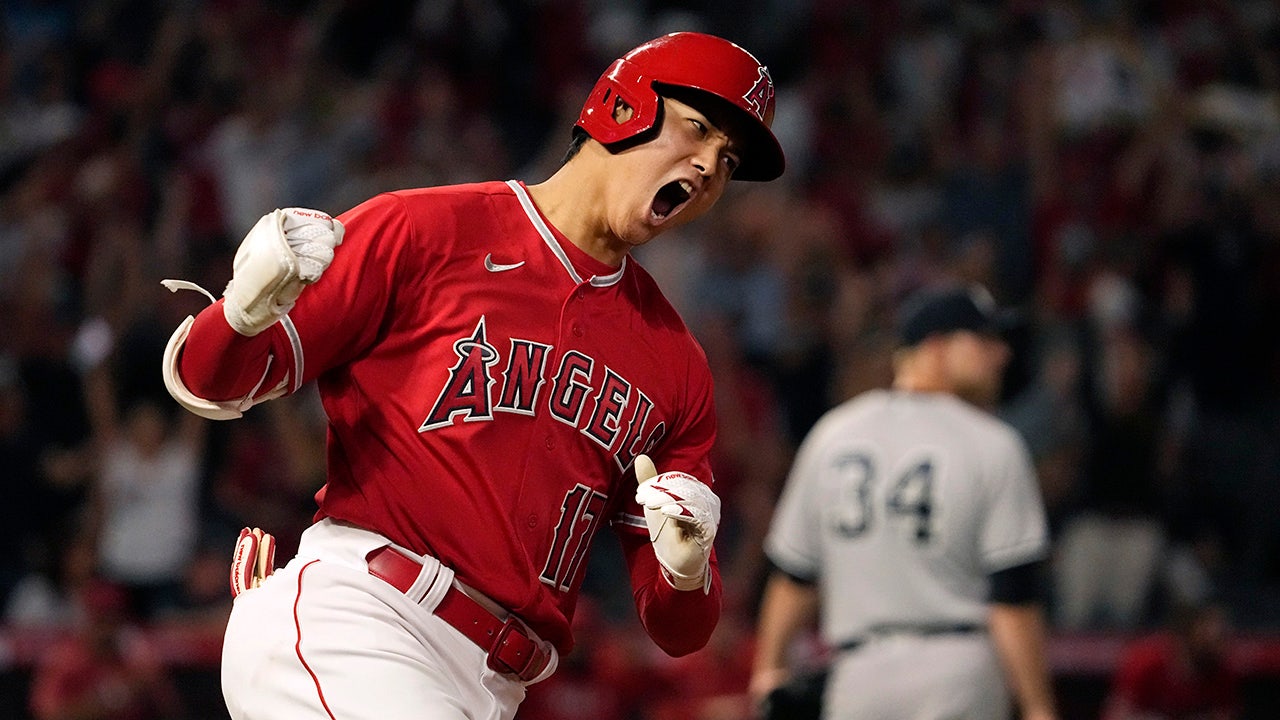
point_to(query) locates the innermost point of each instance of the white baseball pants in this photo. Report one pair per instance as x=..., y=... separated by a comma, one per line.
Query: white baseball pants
x=913, y=677
x=323, y=639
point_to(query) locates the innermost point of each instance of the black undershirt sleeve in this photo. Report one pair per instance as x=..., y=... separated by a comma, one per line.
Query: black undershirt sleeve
x=793, y=577
x=1020, y=585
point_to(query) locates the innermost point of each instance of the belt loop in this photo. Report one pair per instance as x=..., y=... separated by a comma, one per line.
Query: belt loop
x=510, y=646
x=424, y=580
x=432, y=583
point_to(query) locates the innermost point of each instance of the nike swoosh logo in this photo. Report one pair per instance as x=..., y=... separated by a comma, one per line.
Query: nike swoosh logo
x=492, y=266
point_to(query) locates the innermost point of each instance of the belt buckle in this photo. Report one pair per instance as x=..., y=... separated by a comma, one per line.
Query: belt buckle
x=513, y=651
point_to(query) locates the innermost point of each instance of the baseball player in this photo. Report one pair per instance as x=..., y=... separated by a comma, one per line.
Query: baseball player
x=498, y=376
x=912, y=518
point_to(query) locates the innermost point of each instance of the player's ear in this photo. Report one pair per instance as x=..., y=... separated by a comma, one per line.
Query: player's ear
x=622, y=111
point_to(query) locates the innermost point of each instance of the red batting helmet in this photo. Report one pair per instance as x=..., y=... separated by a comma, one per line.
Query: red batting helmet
x=688, y=60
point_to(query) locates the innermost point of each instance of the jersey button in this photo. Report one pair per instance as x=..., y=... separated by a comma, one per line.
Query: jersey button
x=581, y=293
x=577, y=331
x=532, y=522
x=551, y=444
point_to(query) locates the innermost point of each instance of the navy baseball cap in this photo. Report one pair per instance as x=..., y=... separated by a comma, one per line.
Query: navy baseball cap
x=939, y=311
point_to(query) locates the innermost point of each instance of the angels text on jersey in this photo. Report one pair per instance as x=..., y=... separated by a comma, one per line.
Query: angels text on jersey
x=620, y=419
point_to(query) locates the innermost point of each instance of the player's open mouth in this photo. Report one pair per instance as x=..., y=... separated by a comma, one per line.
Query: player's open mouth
x=670, y=198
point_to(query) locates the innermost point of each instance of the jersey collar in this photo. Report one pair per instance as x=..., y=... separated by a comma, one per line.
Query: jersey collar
x=549, y=238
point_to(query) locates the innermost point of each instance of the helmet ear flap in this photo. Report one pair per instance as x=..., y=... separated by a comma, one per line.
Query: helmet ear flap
x=623, y=104
x=639, y=129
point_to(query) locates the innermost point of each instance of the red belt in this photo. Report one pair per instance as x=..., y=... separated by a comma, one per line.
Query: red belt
x=509, y=647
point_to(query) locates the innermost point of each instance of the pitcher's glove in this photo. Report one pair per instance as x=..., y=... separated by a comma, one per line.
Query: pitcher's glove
x=283, y=253
x=253, y=561
x=682, y=514
x=800, y=698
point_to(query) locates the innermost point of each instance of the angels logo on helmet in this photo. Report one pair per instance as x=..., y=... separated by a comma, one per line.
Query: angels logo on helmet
x=760, y=95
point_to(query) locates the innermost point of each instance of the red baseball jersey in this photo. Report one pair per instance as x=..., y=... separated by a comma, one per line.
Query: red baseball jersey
x=488, y=385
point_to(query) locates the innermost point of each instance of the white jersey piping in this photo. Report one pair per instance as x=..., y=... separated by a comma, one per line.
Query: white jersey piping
x=549, y=238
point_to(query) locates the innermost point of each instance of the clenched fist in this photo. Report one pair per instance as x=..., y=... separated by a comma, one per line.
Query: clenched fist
x=283, y=253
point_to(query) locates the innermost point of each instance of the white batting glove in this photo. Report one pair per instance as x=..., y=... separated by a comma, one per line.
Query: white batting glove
x=284, y=252
x=253, y=561
x=683, y=515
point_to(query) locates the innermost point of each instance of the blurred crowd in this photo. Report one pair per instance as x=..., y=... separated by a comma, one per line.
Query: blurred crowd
x=1108, y=169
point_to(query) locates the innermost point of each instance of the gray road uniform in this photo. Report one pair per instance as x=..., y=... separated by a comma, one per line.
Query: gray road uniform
x=900, y=506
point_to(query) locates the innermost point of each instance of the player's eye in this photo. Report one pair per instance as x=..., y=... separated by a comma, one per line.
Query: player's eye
x=732, y=161
x=699, y=127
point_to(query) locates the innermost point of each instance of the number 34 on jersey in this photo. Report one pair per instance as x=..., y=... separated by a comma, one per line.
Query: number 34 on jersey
x=868, y=495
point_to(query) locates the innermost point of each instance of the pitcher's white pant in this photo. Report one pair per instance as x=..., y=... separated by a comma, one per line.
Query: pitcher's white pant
x=323, y=639
x=912, y=677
